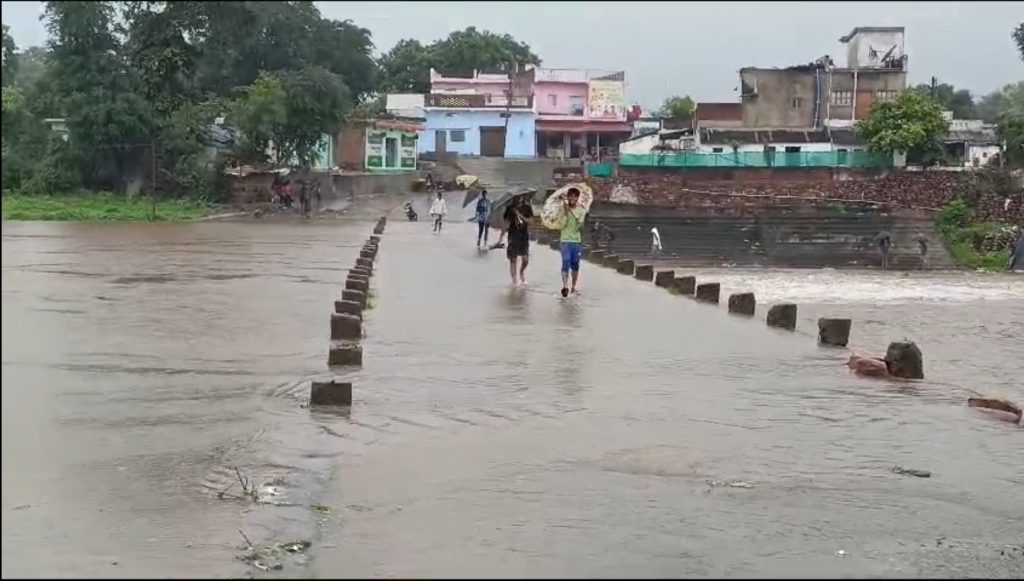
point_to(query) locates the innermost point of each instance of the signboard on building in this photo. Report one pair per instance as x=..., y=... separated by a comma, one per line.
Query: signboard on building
x=606, y=100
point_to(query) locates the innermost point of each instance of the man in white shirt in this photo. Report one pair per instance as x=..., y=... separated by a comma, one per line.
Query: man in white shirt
x=655, y=242
x=438, y=210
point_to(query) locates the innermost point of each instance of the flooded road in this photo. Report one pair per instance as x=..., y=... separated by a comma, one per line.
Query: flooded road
x=495, y=432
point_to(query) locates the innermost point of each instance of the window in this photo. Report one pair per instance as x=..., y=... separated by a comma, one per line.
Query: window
x=576, y=105
x=792, y=149
x=553, y=100
x=457, y=135
x=717, y=150
x=798, y=102
x=841, y=150
x=842, y=98
x=884, y=96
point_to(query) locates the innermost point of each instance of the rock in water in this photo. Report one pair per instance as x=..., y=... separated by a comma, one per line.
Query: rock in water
x=834, y=331
x=782, y=316
x=903, y=359
x=331, y=393
x=742, y=304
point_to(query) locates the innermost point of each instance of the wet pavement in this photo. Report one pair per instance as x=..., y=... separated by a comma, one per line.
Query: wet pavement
x=495, y=432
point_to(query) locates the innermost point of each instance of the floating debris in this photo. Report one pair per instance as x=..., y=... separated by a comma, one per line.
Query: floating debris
x=321, y=508
x=911, y=472
x=730, y=483
x=271, y=557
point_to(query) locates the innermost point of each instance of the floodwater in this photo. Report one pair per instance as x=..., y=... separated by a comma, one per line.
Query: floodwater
x=495, y=432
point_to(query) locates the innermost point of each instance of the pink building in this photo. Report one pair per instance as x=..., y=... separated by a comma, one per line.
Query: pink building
x=578, y=111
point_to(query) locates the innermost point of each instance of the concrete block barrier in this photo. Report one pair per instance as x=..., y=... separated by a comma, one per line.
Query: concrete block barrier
x=330, y=393
x=782, y=316
x=346, y=326
x=834, y=332
x=345, y=353
x=742, y=304
x=708, y=292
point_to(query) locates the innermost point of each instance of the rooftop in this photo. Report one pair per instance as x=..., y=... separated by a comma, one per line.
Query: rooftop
x=863, y=29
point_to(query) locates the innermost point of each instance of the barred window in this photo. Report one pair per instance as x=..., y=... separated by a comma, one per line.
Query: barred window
x=842, y=98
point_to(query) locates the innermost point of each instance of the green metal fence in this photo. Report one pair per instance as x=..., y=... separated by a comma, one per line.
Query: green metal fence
x=855, y=159
x=600, y=170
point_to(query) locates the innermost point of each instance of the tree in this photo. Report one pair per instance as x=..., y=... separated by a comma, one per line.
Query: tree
x=9, y=60
x=290, y=113
x=1018, y=37
x=467, y=50
x=677, y=107
x=406, y=68
x=1009, y=98
x=959, y=101
x=1011, y=131
x=910, y=123
x=109, y=122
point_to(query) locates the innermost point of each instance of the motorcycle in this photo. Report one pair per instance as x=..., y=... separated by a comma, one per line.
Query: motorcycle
x=410, y=213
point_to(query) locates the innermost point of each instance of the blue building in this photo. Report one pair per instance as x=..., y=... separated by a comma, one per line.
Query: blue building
x=479, y=115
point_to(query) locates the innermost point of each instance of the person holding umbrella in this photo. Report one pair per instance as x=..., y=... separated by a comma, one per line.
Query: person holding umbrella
x=571, y=218
x=517, y=223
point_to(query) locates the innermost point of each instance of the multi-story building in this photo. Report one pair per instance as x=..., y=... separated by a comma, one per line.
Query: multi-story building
x=579, y=111
x=481, y=114
x=821, y=94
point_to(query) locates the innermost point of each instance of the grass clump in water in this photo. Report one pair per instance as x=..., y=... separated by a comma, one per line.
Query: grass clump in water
x=100, y=207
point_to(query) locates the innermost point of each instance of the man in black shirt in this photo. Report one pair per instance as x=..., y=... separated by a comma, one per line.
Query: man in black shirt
x=517, y=222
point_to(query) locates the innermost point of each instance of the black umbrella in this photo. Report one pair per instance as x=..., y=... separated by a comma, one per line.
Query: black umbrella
x=502, y=202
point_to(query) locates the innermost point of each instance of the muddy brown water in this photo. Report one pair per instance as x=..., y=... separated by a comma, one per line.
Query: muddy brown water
x=495, y=432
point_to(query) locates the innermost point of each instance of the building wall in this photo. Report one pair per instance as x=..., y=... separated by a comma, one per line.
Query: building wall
x=406, y=152
x=871, y=85
x=350, y=148
x=784, y=98
x=858, y=49
x=563, y=94
x=495, y=89
x=520, y=140
x=981, y=155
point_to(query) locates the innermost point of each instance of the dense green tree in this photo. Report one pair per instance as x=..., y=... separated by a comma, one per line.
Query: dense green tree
x=1018, y=37
x=959, y=101
x=464, y=51
x=677, y=107
x=406, y=67
x=9, y=60
x=911, y=123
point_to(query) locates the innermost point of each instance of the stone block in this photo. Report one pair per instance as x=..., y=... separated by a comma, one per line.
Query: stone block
x=644, y=272
x=366, y=253
x=375, y=239
x=355, y=296
x=345, y=326
x=365, y=262
x=685, y=285
x=782, y=316
x=360, y=271
x=555, y=245
x=596, y=256
x=664, y=278
x=611, y=260
x=742, y=304
x=904, y=360
x=354, y=282
x=708, y=292
x=344, y=353
x=834, y=331
x=625, y=266
x=348, y=307
x=332, y=393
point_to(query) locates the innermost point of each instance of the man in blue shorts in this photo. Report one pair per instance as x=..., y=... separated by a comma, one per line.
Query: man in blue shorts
x=572, y=216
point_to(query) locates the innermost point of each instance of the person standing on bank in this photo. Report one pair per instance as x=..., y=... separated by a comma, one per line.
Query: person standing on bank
x=571, y=217
x=483, y=212
x=517, y=223
x=438, y=210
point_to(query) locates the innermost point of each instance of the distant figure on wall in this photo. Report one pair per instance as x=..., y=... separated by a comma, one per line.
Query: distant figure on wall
x=884, y=243
x=655, y=243
x=922, y=244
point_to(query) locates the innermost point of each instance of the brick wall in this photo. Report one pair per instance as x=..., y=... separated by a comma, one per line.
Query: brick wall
x=739, y=190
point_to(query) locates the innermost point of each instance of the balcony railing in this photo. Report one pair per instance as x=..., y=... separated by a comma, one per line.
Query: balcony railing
x=479, y=101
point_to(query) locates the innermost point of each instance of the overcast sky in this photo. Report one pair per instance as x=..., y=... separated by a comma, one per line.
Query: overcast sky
x=694, y=48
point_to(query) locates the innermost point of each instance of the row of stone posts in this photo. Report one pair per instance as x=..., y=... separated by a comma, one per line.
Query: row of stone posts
x=903, y=359
x=347, y=325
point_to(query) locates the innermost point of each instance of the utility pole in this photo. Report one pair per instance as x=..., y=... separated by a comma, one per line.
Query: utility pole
x=152, y=187
x=508, y=100
x=932, y=91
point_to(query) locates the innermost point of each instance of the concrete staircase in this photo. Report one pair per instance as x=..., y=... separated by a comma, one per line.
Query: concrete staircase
x=777, y=238
x=499, y=175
